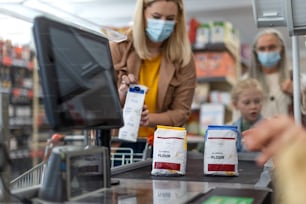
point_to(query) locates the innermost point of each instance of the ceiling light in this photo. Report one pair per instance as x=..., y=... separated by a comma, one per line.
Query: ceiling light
x=83, y=0
x=11, y=1
x=52, y=11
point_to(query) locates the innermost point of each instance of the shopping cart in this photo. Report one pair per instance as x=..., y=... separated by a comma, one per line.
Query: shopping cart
x=34, y=176
x=124, y=155
x=30, y=178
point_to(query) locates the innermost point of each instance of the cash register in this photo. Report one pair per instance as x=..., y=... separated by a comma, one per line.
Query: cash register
x=79, y=93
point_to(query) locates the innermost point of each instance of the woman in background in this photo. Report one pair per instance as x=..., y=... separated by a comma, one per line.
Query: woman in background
x=269, y=67
x=157, y=54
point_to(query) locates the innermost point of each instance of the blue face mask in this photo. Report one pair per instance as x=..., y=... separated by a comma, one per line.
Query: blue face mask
x=268, y=59
x=159, y=30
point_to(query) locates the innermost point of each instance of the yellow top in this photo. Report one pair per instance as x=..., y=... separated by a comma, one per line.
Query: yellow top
x=149, y=76
x=170, y=127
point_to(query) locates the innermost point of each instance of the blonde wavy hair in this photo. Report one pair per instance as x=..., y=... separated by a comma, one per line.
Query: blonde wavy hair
x=255, y=68
x=176, y=48
x=245, y=84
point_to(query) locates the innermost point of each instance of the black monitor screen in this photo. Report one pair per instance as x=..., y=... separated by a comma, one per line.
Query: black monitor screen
x=77, y=77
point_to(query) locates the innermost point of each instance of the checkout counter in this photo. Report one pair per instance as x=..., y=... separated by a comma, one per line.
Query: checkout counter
x=194, y=186
x=137, y=185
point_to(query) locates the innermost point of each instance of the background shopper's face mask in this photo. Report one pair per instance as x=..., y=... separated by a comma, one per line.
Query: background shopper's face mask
x=159, y=30
x=268, y=59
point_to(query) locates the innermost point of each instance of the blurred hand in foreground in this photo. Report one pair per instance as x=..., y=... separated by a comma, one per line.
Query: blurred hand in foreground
x=271, y=136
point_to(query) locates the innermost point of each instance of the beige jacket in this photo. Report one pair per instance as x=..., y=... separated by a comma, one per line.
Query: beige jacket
x=175, y=89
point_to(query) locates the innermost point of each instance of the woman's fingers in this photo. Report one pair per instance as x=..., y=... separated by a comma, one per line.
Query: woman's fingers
x=287, y=86
x=132, y=79
x=144, y=121
x=123, y=88
x=128, y=79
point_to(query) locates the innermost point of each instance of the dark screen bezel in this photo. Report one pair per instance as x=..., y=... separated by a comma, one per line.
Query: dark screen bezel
x=47, y=73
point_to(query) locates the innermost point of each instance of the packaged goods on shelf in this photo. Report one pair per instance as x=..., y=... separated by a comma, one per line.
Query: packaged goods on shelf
x=222, y=97
x=216, y=32
x=211, y=114
x=201, y=95
x=192, y=29
x=216, y=48
x=16, y=80
x=215, y=64
x=222, y=31
x=192, y=125
x=203, y=35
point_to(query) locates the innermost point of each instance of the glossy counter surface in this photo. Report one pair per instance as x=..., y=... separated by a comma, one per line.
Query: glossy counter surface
x=131, y=191
x=138, y=186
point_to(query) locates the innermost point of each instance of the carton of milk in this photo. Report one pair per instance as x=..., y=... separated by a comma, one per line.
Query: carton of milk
x=132, y=112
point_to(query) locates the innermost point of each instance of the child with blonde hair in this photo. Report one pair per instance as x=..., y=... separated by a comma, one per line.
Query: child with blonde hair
x=247, y=97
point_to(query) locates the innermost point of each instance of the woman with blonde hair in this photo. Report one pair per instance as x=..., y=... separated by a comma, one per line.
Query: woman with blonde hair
x=157, y=54
x=269, y=67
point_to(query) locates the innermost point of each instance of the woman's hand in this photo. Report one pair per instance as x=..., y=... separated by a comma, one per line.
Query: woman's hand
x=144, y=121
x=271, y=136
x=126, y=80
x=287, y=86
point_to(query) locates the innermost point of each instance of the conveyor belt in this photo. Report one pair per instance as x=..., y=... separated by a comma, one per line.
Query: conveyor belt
x=249, y=173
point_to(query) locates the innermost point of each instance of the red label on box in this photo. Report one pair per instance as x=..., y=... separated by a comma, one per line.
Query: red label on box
x=221, y=167
x=167, y=165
